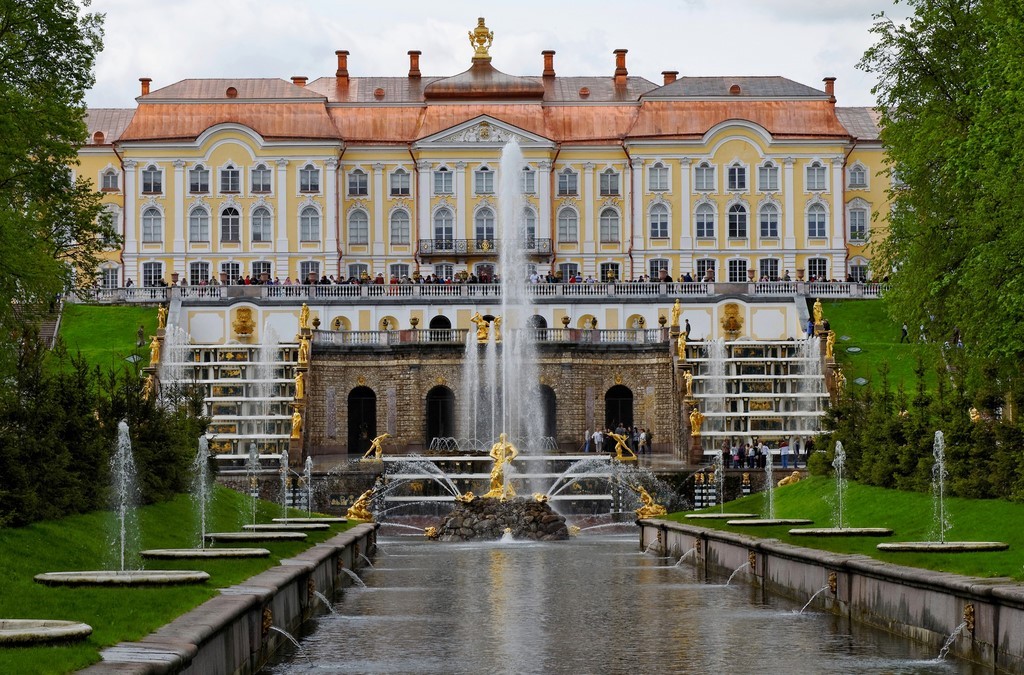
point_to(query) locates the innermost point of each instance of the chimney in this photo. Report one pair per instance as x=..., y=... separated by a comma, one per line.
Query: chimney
x=342, y=72
x=549, y=62
x=620, y=66
x=299, y=80
x=414, y=62
x=145, y=84
x=830, y=88
x=670, y=76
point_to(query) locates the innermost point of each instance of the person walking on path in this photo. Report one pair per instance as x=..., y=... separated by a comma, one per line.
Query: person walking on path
x=904, y=334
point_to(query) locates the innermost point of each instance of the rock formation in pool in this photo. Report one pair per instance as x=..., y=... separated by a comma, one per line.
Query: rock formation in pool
x=488, y=518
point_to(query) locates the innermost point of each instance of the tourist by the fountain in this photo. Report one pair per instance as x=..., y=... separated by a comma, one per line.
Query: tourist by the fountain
x=686, y=329
x=140, y=336
x=784, y=452
x=810, y=327
x=502, y=453
x=586, y=441
x=644, y=448
x=597, y=441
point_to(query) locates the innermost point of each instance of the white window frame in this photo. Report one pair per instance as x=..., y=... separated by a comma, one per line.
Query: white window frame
x=400, y=183
x=738, y=218
x=110, y=277
x=230, y=176
x=737, y=269
x=769, y=263
x=700, y=221
x=201, y=174
x=851, y=182
x=258, y=267
x=110, y=180
x=400, y=231
x=609, y=226
x=261, y=188
x=198, y=272
x=854, y=211
x=152, y=227
x=816, y=176
x=569, y=269
x=484, y=225
x=358, y=183
x=483, y=181
x=656, y=266
x=529, y=181
x=357, y=270
x=768, y=220
x=614, y=267
x=658, y=177
x=443, y=181
x=701, y=265
x=309, y=179
x=264, y=229
x=610, y=183
x=529, y=228
x=358, y=228
x=659, y=229
x=736, y=178
x=152, y=182
x=232, y=270
x=443, y=227
x=816, y=262
x=227, y=227
x=568, y=183
x=568, y=225
x=399, y=270
x=704, y=179
x=820, y=230
x=307, y=267
x=151, y=271
x=768, y=177
x=199, y=225
x=310, y=218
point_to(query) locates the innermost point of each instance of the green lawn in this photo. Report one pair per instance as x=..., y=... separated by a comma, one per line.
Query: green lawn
x=908, y=514
x=106, y=334
x=877, y=336
x=119, y=614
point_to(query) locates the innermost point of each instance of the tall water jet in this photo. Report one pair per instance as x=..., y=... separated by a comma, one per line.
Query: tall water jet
x=201, y=486
x=307, y=476
x=720, y=479
x=125, y=497
x=769, y=488
x=252, y=470
x=265, y=385
x=715, y=388
x=283, y=469
x=941, y=523
x=175, y=364
x=839, y=464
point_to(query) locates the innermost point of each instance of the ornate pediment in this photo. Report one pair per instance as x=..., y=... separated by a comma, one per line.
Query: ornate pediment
x=485, y=130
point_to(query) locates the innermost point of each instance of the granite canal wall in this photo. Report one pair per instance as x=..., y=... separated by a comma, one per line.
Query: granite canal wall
x=918, y=604
x=231, y=633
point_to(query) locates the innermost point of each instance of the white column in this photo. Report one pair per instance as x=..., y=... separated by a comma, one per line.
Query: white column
x=331, y=216
x=637, y=197
x=789, y=190
x=544, y=199
x=131, y=241
x=590, y=229
x=460, y=200
x=423, y=201
x=378, y=210
x=179, y=213
x=685, y=216
x=838, y=208
x=282, y=264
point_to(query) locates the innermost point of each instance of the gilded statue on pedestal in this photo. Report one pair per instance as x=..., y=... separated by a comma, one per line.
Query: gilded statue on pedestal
x=497, y=329
x=303, y=350
x=304, y=317
x=648, y=508
x=677, y=309
x=360, y=509
x=830, y=343
x=688, y=379
x=502, y=453
x=161, y=317
x=300, y=386
x=376, y=447
x=696, y=419
x=681, y=347
x=148, y=388
x=296, y=424
x=819, y=314
x=621, y=448
x=154, y=351
x=840, y=379
x=482, y=327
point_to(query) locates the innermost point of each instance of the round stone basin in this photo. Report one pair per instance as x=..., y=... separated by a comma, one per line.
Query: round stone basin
x=285, y=527
x=719, y=516
x=321, y=519
x=943, y=547
x=256, y=536
x=766, y=522
x=198, y=553
x=32, y=631
x=841, y=532
x=123, y=578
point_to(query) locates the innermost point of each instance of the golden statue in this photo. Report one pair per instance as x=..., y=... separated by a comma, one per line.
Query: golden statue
x=303, y=350
x=300, y=386
x=540, y=497
x=465, y=497
x=621, y=448
x=676, y=311
x=974, y=414
x=296, y=424
x=243, y=324
x=502, y=453
x=360, y=509
x=149, y=388
x=649, y=508
x=574, y=530
x=696, y=419
x=480, y=38
x=497, y=329
x=431, y=532
x=376, y=447
x=481, y=328
x=154, y=351
x=830, y=343
x=304, y=317
x=819, y=315
x=790, y=479
x=161, y=317
x=840, y=380
x=688, y=379
x=681, y=347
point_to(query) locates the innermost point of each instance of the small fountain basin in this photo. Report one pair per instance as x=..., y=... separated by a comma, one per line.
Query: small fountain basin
x=841, y=532
x=943, y=547
x=320, y=519
x=33, y=631
x=767, y=522
x=255, y=536
x=719, y=516
x=122, y=578
x=286, y=527
x=198, y=553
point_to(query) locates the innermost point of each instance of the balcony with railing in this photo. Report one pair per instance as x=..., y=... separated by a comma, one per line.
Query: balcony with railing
x=442, y=247
x=458, y=336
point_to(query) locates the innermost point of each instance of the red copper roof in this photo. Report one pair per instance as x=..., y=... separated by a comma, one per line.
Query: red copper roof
x=484, y=81
x=692, y=119
x=245, y=88
x=270, y=120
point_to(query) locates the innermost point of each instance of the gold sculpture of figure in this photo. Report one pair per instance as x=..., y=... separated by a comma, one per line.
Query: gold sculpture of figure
x=360, y=509
x=790, y=479
x=296, y=424
x=621, y=448
x=696, y=419
x=304, y=316
x=830, y=343
x=648, y=508
x=688, y=379
x=300, y=386
x=540, y=497
x=481, y=327
x=480, y=38
x=974, y=414
x=154, y=351
x=377, y=447
x=819, y=315
x=681, y=347
x=497, y=329
x=161, y=317
x=840, y=380
x=149, y=388
x=676, y=311
x=303, y=350
x=502, y=453
x=465, y=497
x=431, y=532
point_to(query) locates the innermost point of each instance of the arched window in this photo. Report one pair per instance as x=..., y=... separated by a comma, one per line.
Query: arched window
x=401, y=186
x=309, y=224
x=817, y=219
x=768, y=177
x=609, y=183
x=152, y=225
x=618, y=407
x=152, y=180
x=444, y=232
x=816, y=176
x=199, y=225
x=568, y=182
x=858, y=224
x=260, y=178
x=858, y=177
x=609, y=226
x=568, y=226
x=769, y=219
x=657, y=177
x=484, y=223
x=529, y=228
x=358, y=228
x=262, y=228
x=705, y=218
x=659, y=222
x=483, y=181
x=362, y=419
x=110, y=182
x=704, y=177
x=737, y=221
x=400, y=228
x=230, y=225
x=309, y=179
x=357, y=183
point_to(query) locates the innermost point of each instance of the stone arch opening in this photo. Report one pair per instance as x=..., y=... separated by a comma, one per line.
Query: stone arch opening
x=362, y=419
x=440, y=413
x=618, y=406
x=440, y=328
x=537, y=321
x=549, y=411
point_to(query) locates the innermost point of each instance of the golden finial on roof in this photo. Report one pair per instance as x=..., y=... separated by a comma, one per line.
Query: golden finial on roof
x=481, y=39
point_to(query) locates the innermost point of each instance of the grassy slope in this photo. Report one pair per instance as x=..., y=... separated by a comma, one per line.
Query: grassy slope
x=909, y=514
x=106, y=335
x=878, y=336
x=117, y=614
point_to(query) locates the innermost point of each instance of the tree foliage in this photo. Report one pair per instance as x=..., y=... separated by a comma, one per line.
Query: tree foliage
x=51, y=228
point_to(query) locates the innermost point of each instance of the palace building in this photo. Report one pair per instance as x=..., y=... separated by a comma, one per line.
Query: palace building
x=724, y=178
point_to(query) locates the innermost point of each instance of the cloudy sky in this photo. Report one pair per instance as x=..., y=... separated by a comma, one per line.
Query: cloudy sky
x=170, y=40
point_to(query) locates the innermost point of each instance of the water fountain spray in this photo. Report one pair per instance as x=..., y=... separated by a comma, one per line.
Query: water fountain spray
x=125, y=495
x=307, y=475
x=939, y=475
x=201, y=486
x=839, y=464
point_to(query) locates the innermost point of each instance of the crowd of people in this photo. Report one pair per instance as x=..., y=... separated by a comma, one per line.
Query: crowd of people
x=638, y=439
x=757, y=453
